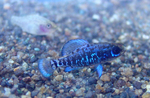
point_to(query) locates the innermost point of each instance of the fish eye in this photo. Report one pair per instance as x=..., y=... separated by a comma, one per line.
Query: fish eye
x=116, y=50
x=48, y=25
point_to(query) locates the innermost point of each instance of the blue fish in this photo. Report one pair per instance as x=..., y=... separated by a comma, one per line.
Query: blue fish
x=79, y=53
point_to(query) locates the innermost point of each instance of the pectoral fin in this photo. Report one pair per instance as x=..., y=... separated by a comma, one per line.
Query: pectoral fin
x=99, y=70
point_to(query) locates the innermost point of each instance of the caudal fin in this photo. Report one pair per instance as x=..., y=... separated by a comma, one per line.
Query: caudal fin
x=45, y=68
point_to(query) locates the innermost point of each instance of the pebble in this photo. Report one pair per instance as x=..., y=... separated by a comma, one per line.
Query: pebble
x=105, y=77
x=90, y=94
x=96, y=17
x=137, y=84
x=24, y=66
x=34, y=93
x=120, y=83
x=1, y=48
x=126, y=71
x=148, y=87
x=80, y=92
x=92, y=80
x=6, y=6
x=147, y=65
x=138, y=92
x=7, y=91
x=146, y=95
x=10, y=61
x=100, y=87
x=59, y=78
x=35, y=77
x=18, y=71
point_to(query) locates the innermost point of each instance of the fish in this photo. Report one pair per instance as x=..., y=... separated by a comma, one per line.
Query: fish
x=79, y=53
x=35, y=24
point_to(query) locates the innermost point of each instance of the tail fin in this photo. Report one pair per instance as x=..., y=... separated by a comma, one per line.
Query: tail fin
x=45, y=68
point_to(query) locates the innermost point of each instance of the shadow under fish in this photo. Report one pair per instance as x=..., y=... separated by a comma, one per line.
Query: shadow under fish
x=79, y=53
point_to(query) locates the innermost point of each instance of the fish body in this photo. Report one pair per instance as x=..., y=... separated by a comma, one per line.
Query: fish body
x=34, y=24
x=81, y=54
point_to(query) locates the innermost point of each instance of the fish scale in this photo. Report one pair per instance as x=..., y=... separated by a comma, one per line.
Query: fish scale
x=84, y=55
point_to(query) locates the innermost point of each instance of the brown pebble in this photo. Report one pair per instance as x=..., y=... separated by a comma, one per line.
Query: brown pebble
x=105, y=77
x=100, y=88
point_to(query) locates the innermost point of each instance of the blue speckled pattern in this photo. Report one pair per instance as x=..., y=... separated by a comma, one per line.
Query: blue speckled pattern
x=82, y=56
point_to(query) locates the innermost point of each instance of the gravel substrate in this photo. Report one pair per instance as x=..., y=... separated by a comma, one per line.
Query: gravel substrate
x=123, y=21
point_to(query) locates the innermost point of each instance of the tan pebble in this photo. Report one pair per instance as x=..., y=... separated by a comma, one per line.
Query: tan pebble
x=74, y=37
x=80, y=92
x=100, y=95
x=117, y=91
x=138, y=92
x=147, y=65
x=59, y=77
x=1, y=48
x=84, y=69
x=146, y=95
x=25, y=96
x=138, y=69
x=127, y=71
x=70, y=76
x=89, y=70
x=61, y=90
x=105, y=77
x=42, y=89
x=15, y=69
x=55, y=73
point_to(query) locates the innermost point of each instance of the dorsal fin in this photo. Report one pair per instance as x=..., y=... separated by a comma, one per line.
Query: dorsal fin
x=71, y=45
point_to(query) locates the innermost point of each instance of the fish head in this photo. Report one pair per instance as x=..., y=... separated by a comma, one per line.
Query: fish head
x=46, y=28
x=112, y=51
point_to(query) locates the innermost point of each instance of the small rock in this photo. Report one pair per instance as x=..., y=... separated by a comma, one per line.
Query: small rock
x=148, y=88
x=137, y=84
x=10, y=61
x=120, y=83
x=24, y=66
x=126, y=71
x=90, y=94
x=96, y=17
x=59, y=77
x=138, y=92
x=27, y=79
x=18, y=71
x=34, y=93
x=35, y=77
x=92, y=80
x=147, y=65
x=146, y=95
x=1, y=48
x=7, y=91
x=80, y=92
x=105, y=77
x=61, y=90
x=6, y=6
x=100, y=88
